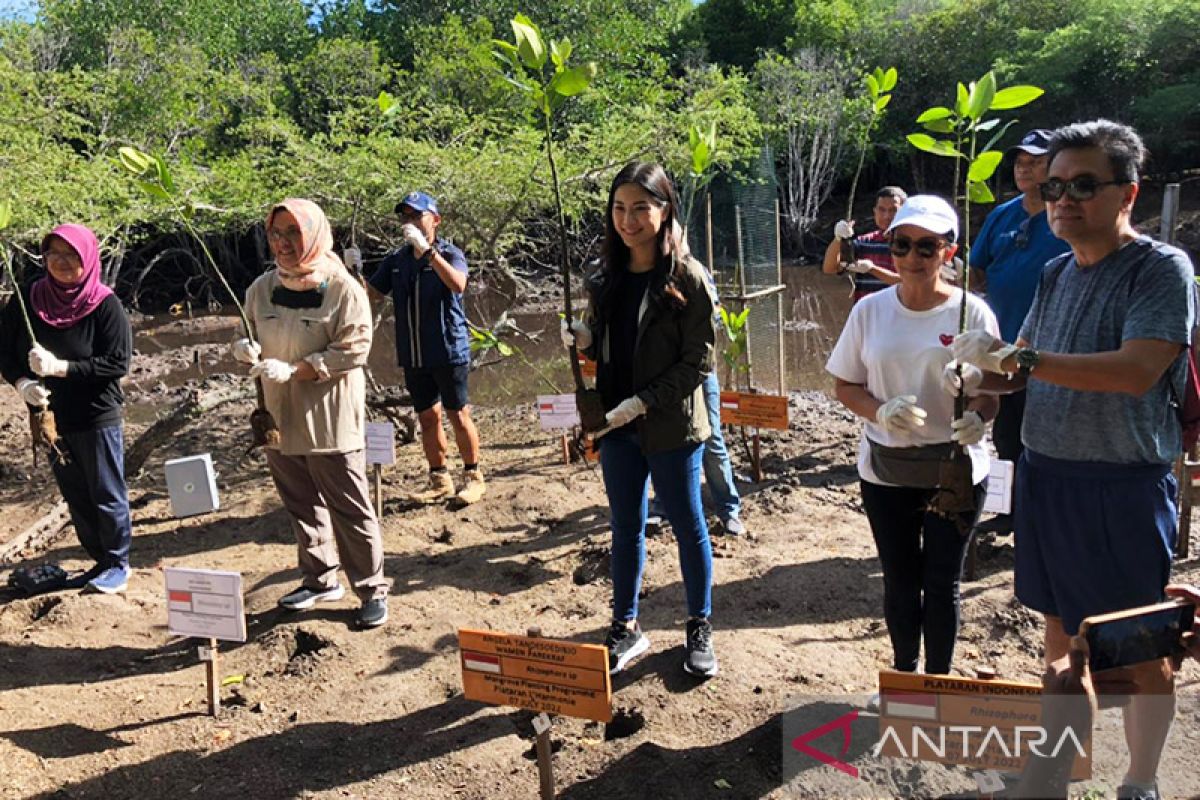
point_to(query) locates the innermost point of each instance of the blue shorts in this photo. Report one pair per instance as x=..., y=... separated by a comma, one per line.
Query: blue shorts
x=427, y=386
x=1092, y=537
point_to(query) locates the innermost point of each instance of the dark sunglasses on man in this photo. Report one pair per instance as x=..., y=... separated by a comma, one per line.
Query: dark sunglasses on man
x=1077, y=189
x=926, y=247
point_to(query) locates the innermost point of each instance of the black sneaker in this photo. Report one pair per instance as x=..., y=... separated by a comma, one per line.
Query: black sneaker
x=1000, y=525
x=701, y=658
x=624, y=645
x=373, y=613
x=302, y=597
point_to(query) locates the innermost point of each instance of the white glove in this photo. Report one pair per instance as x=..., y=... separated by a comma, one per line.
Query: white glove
x=577, y=334
x=981, y=349
x=46, y=364
x=900, y=414
x=33, y=392
x=968, y=430
x=273, y=370
x=949, y=273
x=246, y=351
x=844, y=229
x=626, y=412
x=972, y=377
x=861, y=266
x=413, y=235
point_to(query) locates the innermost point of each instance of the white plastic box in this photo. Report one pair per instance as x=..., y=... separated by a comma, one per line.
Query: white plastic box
x=192, y=484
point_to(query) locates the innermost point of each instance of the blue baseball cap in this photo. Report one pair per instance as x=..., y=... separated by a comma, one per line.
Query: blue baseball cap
x=418, y=201
x=1036, y=143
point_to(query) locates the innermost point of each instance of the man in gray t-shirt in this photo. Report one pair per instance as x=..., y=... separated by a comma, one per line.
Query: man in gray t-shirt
x=1101, y=353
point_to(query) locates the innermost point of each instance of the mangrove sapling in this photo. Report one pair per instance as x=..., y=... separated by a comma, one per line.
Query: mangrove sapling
x=963, y=123
x=879, y=86
x=526, y=63
x=43, y=429
x=153, y=177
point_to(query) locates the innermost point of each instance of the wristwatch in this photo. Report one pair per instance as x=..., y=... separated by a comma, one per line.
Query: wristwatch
x=1027, y=360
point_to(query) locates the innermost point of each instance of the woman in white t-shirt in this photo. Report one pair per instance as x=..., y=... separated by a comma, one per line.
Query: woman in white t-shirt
x=888, y=364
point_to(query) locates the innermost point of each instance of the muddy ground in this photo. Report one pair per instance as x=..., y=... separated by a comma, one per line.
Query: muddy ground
x=97, y=700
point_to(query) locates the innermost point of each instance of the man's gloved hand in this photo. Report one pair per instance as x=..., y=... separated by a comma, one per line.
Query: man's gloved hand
x=414, y=237
x=273, y=370
x=626, y=412
x=972, y=377
x=46, y=364
x=900, y=414
x=844, y=229
x=981, y=349
x=33, y=392
x=246, y=351
x=860, y=267
x=949, y=273
x=577, y=333
x=968, y=430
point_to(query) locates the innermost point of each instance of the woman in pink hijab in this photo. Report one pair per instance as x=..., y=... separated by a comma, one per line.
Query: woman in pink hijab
x=84, y=341
x=313, y=326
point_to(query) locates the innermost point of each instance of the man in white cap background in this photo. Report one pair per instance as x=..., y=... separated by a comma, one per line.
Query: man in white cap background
x=426, y=279
x=1006, y=260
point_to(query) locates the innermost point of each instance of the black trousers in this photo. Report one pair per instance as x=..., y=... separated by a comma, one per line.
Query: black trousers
x=922, y=555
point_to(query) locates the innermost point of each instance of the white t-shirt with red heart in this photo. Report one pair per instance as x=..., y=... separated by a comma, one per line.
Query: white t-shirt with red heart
x=893, y=350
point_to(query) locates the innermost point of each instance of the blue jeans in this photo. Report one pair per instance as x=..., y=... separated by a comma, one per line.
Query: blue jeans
x=92, y=481
x=718, y=472
x=676, y=476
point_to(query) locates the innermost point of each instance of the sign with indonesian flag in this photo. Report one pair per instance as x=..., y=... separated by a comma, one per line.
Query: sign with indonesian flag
x=205, y=603
x=754, y=410
x=984, y=724
x=557, y=411
x=536, y=674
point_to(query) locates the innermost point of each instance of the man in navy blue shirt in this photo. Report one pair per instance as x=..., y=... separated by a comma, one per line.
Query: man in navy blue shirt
x=426, y=279
x=1007, y=259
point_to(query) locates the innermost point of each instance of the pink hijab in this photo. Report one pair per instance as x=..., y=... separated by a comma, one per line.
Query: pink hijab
x=59, y=305
x=317, y=261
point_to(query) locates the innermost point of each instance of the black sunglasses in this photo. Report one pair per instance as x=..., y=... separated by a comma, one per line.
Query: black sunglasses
x=1021, y=237
x=1077, y=188
x=927, y=247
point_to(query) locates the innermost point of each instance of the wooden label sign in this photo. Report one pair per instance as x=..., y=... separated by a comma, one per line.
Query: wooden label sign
x=536, y=674
x=557, y=411
x=754, y=410
x=205, y=603
x=984, y=724
x=586, y=366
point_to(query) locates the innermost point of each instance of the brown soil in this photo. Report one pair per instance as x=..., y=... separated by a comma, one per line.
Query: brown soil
x=98, y=701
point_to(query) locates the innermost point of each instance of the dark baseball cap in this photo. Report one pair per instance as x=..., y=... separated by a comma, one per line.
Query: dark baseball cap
x=418, y=201
x=1036, y=143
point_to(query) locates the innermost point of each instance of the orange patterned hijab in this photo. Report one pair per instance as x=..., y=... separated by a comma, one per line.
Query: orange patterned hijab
x=317, y=261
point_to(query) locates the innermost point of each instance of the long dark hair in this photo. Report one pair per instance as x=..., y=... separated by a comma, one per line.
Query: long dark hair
x=671, y=252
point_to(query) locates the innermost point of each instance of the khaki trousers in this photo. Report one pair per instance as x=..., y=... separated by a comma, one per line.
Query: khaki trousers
x=328, y=500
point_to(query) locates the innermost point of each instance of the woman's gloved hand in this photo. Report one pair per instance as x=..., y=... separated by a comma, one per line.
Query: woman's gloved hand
x=273, y=370
x=972, y=377
x=246, y=351
x=900, y=414
x=33, y=392
x=577, y=333
x=46, y=364
x=968, y=430
x=626, y=412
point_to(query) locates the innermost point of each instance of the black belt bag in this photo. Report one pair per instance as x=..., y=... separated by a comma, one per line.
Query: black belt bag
x=915, y=467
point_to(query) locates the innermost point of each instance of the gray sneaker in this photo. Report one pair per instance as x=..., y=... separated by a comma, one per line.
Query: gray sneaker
x=1127, y=792
x=624, y=645
x=701, y=659
x=373, y=613
x=733, y=526
x=302, y=597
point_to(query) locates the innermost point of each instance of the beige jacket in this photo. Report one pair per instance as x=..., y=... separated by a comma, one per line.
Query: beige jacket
x=326, y=415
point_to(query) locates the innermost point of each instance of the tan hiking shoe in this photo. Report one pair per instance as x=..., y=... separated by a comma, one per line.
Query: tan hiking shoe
x=473, y=486
x=441, y=487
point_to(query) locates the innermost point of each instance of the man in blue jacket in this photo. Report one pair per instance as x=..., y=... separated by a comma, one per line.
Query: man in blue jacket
x=426, y=279
x=1007, y=259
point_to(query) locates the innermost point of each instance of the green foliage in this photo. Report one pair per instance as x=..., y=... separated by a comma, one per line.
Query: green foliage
x=737, y=341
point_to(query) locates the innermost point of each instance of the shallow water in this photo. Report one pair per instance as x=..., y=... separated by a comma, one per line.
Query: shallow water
x=814, y=307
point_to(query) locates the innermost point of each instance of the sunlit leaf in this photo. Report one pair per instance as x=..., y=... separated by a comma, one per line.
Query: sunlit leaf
x=937, y=112
x=882, y=102
x=960, y=102
x=889, y=79
x=872, y=85
x=504, y=348
x=939, y=126
x=5, y=215
x=570, y=81
x=981, y=95
x=385, y=101
x=164, y=174
x=134, y=160
x=984, y=165
x=980, y=193
x=529, y=42
x=1015, y=97
x=937, y=147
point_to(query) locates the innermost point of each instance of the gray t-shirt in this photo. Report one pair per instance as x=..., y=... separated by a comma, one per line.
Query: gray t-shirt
x=1145, y=290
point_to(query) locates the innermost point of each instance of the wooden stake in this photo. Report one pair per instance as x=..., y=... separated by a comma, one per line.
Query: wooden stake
x=379, y=491
x=213, y=673
x=545, y=761
x=756, y=466
x=566, y=449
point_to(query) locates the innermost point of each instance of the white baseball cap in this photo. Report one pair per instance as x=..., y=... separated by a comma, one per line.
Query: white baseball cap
x=930, y=212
